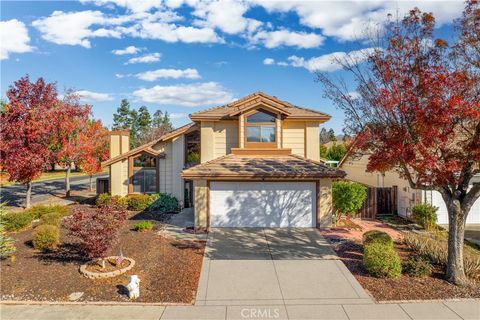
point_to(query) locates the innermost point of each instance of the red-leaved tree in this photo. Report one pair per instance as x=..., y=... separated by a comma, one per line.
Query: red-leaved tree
x=417, y=112
x=96, y=229
x=72, y=120
x=95, y=142
x=28, y=121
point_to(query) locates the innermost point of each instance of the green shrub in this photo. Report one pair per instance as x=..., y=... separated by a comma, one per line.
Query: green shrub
x=46, y=237
x=120, y=201
x=417, y=267
x=51, y=218
x=152, y=198
x=103, y=199
x=138, y=202
x=348, y=197
x=435, y=249
x=377, y=237
x=381, y=260
x=38, y=211
x=425, y=215
x=193, y=157
x=7, y=244
x=16, y=221
x=165, y=203
x=143, y=226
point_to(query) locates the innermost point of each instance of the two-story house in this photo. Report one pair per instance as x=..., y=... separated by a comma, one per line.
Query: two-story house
x=252, y=163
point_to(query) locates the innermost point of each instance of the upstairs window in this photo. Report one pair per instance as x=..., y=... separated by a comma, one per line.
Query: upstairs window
x=260, y=130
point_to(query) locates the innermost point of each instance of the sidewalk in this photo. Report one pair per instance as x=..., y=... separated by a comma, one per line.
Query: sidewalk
x=465, y=309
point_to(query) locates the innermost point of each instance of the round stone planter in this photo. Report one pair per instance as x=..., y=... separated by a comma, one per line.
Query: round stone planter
x=111, y=274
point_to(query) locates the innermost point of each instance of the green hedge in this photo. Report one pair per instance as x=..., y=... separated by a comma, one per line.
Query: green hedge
x=381, y=260
x=417, y=267
x=164, y=203
x=16, y=221
x=348, y=197
x=38, y=211
x=377, y=237
x=143, y=226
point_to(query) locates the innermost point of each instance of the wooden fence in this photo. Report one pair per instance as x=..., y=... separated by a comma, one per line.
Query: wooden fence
x=379, y=201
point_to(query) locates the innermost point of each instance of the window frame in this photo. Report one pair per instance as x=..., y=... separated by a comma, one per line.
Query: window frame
x=133, y=169
x=273, y=124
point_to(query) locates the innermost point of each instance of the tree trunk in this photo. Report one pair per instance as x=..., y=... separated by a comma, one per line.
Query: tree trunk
x=456, y=232
x=28, y=197
x=67, y=180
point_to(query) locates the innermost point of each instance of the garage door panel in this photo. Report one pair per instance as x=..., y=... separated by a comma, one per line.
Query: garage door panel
x=442, y=213
x=262, y=204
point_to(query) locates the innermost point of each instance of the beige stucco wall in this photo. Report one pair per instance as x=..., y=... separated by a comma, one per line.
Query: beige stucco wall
x=200, y=194
x=356, y=169
x=178, y=162
x=119, y=178
x=312, y=140
x=207, y=145
x=225, y=137
x=325, y=210
x=294, y=137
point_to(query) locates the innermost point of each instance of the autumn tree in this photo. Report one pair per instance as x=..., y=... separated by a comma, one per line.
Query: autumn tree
x=94, y=140
x=28, y=121
x=71, y=121
x=97, y=229
x=417, y=113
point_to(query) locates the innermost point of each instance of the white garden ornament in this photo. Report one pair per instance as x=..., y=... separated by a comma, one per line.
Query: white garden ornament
x=133, y=287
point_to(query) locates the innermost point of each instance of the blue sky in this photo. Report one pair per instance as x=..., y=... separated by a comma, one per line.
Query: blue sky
x=182, y=56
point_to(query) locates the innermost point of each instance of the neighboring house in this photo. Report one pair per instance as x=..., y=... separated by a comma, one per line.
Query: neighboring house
x=259, y=165
x=356, y=169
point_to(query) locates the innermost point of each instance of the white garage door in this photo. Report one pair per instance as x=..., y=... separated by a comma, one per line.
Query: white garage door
x=442, y=214
x=262, y=204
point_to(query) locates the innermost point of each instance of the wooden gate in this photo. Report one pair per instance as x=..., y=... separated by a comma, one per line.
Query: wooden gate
x=379, y=201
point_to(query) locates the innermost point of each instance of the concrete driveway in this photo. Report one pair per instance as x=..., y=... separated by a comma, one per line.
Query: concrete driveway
x=274, y=266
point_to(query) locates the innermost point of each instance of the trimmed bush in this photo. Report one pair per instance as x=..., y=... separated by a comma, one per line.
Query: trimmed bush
x=425, y=215
x=119, y=201
x=417, y=267
x=381, y=260
x=138, y=202
x=435, y=249
x=40, y=210
x=46, y=237
x=348, y=197
x=375, y=236
x=52, y=218
x=103, y=199
x=16, y=221
x=165, y=203
x=143, y=226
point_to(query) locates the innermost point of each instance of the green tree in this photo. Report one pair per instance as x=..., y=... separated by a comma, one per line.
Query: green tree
x=323, y=152
x=160, y=125
x=123, y=118
x=336, y=152
x=331, y=135
x=348, y=198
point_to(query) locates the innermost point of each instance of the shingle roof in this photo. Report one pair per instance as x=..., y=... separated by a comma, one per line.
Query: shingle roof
x=270, y=167
x=225, y=111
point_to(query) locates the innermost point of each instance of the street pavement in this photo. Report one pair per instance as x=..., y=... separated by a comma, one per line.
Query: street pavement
x=43, y=191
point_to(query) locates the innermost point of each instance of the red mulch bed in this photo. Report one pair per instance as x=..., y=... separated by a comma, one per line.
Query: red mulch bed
x=169, y=270
x=347, y=245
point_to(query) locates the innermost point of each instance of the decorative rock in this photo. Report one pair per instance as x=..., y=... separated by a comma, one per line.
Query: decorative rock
x=103, y=275
x=75, y=296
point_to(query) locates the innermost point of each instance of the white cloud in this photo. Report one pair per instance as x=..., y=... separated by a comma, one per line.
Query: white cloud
x=132, y=5
x=228, y=16
x=13, y=38
x=168, y=73
x=93, y=96
x=75, y=28
x=148, y=58
x=329, y=62
x=346, y=20
x=273, y=39
x=189, y=95
x=268, y=61
x=177, y=115
x=127, y=50
x=173, y=33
